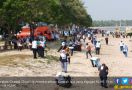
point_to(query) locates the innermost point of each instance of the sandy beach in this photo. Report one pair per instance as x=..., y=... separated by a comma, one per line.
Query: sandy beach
x=16, y=63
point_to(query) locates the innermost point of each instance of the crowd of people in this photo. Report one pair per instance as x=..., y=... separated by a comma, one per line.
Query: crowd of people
x=79, y=38
x=37, y=45
x=21, y=43
x=89, y=39
x=73, y=40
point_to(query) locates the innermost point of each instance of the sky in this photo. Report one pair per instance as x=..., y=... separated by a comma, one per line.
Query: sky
x=109, y=9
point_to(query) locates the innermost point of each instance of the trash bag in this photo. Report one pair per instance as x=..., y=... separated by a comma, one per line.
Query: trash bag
x=64, y=81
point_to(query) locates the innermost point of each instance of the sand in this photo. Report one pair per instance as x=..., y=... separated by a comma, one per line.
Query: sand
x=16, y=63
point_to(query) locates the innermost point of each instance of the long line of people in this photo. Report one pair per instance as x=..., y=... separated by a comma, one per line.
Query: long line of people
x=76, y=43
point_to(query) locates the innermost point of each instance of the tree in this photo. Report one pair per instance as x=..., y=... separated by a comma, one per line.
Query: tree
x=61, y=12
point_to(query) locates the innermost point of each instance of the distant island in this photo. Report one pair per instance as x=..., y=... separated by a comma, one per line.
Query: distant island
x=102, y=23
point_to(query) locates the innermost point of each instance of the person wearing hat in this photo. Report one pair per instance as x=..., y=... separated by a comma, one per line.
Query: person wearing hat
x=63, y=46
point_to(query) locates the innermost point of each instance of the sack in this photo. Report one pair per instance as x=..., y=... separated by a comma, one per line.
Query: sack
x=63, y=81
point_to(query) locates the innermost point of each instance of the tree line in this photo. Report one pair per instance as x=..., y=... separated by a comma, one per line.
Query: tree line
x=98, y=23
x=61, y=12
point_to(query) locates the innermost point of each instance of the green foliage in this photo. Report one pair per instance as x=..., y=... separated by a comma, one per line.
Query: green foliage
x=61, y=12
x=75, y=12
x=112, y=23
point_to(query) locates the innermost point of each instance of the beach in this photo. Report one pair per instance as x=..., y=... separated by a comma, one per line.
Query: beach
x=16, y=63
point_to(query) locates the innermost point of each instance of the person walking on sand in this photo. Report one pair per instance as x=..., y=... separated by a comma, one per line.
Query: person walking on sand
x=88, y=50
x=71, y=47
x=64, y=60
x=106, y=40
x=121, y=46
x=125, y=50
x=103, y=72
x=98, y=46
x=94, y=39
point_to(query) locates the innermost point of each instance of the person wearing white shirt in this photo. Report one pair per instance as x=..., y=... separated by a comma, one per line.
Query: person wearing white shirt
x=71, y=47
x=121, y=46
x=98, y=46
x=84, y=38
x=19, y=44
x=34, y=48
x=89, y=36
x=64, y=60
x=42, y=47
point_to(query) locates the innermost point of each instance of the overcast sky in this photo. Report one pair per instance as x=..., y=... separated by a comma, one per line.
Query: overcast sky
x=109, y=9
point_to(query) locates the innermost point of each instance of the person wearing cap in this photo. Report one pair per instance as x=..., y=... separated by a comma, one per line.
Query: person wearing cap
x=103, y=72
x=63, y=46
